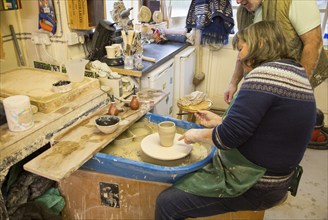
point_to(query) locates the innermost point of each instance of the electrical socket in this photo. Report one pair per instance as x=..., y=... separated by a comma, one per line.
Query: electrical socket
x=72, y=38
x=44, y=39
x=38, y=39
x=35, y=38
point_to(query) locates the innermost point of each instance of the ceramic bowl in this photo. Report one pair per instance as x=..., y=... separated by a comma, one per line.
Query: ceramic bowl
x=107, y=123
x=62, y=86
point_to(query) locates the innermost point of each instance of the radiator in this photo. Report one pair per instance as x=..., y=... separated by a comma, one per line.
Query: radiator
x=218, y=66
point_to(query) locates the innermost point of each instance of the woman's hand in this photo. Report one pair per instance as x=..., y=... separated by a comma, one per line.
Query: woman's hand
x=207, y=118
x=197, y=135
x=189, y=136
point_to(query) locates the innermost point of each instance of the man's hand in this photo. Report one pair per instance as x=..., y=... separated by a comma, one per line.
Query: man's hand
x=230, y=91
x=233, y=86
x=312, y=41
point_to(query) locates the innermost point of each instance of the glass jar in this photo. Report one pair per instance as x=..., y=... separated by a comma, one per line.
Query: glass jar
x=138, y=61
x=128, y=62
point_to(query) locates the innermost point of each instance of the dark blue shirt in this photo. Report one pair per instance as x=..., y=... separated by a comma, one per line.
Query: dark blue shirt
x=272, y=118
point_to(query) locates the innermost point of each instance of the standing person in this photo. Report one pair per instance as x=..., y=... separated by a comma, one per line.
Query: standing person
x=300, y=21
x=260, y=141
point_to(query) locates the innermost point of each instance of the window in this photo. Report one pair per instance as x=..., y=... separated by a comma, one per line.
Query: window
x=180, y=8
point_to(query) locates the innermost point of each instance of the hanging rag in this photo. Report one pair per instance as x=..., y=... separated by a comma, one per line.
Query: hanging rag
x=214, y=19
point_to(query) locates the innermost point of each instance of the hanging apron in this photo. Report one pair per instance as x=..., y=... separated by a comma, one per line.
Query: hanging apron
x=229, y=175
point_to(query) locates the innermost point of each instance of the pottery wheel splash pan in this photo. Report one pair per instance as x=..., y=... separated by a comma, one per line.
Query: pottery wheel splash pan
x=37, y=85
x=136, y=132
x=128, y=168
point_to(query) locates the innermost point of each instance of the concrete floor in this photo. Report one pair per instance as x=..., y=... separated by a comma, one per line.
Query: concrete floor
x=311, y=201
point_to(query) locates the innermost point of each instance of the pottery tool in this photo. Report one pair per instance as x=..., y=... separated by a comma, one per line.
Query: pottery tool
x=150, y=59
x=125, y=41
x=130, y=37
x=185, y=113
x=138, y=43
x=127, y=101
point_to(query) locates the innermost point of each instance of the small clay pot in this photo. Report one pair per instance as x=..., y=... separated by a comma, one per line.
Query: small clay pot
x=134, y=104
x=113, y=110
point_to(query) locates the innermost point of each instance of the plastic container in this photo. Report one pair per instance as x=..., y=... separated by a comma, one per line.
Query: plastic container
x=325, y=41
x=18, y=112
x=75, y=69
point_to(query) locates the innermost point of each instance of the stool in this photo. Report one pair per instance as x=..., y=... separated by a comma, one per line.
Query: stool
x=191, y=109
x=241, y=215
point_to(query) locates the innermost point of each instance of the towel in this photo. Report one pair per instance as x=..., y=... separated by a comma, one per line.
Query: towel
x=214, y=18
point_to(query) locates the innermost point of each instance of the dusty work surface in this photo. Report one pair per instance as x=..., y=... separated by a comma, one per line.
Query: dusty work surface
x=15, y=146
x=73, y=148
x=37, y=84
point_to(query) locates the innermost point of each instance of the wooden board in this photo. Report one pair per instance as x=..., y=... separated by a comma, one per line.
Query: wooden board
x=37, y=84
x=72, y=149
x=121, y=70
x=76, y=146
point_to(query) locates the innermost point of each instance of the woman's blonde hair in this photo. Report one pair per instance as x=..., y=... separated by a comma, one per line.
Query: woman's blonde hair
x=265, y=41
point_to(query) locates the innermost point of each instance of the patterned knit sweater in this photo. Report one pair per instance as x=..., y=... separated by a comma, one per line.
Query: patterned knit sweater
x=272, y=118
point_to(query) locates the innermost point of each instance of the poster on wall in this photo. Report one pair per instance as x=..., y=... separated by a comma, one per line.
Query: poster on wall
x=10, y=5
x=47, y=16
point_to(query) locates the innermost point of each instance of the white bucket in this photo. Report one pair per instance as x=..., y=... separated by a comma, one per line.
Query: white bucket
x=75, y=69
x=18, y=112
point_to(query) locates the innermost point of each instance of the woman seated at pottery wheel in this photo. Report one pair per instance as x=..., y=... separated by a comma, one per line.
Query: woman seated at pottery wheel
x=261, y=139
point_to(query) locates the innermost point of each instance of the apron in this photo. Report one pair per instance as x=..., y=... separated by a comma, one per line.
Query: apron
x=229, y=175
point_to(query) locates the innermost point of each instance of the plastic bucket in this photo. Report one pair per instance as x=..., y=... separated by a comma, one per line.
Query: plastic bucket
x=18, y=112
x=75, y=69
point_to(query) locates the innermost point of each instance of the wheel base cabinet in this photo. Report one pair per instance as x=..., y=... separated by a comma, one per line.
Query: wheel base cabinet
x=93, y=195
